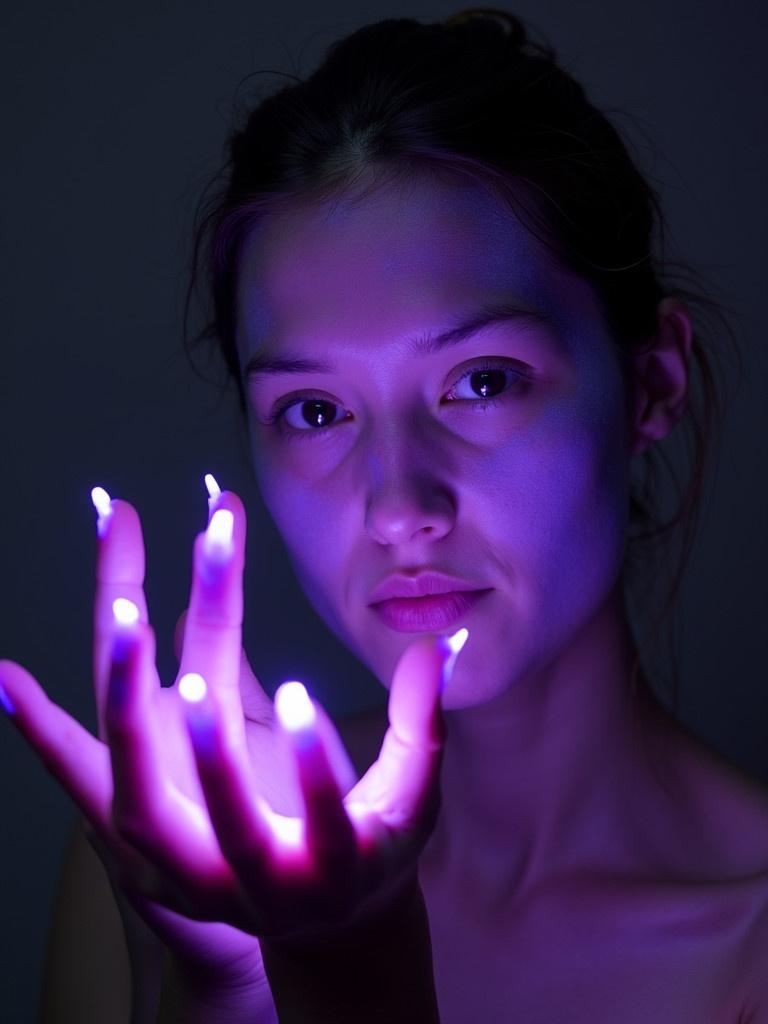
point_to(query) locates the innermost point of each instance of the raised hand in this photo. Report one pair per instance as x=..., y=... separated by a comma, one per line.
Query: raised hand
x=251, y=829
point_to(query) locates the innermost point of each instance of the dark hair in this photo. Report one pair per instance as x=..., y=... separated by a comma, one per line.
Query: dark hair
x=473, y=95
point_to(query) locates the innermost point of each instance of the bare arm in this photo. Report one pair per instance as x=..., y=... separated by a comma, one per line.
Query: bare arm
x=93, y=963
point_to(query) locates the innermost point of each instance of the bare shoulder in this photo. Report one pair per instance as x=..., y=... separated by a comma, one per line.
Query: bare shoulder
x=362, y=734
x=729, y=806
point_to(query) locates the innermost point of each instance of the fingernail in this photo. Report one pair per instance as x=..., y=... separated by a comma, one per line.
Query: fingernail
x=103, y=505
x=214, y=491
x=124, y=653
x=193, y=690
x=296, y=713
x=5, y=702
x=218, y=535
x=293, y=706
x=125, y=611
x=192, y=687
x=126, y=614
x=455, y=645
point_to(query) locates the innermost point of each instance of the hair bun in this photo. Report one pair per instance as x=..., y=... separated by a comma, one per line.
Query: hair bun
x=514, y=29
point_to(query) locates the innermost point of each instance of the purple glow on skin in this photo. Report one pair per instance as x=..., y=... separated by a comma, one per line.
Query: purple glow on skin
x=293, y=706
x=527, y=497
x=102, y=503
x=192, y=687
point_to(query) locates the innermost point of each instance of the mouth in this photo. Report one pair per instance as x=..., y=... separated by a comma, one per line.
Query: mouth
x=430, y=613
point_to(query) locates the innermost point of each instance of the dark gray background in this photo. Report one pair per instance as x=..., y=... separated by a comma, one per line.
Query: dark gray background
x=113, y=117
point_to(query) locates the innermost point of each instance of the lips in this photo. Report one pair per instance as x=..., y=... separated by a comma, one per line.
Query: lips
x=429, y=613
x=423, y=584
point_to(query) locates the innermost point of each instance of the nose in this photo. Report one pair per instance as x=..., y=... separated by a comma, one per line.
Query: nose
x=408, y=504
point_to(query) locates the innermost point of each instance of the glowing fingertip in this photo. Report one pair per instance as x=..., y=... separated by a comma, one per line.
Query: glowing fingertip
x=101, y=501
x=221, y=528
x=192, y=687
x=294, y=708
x=213, y=488
x=125, y=611
x=459, y=638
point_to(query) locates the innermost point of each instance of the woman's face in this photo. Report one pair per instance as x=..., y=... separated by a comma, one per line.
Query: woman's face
x=387, y=462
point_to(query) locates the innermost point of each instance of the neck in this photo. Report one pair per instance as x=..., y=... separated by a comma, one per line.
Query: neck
x=554, y=772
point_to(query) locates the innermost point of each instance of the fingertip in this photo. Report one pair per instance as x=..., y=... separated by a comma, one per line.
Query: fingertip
x=415, y=710
x=103, y=505
x=192, y=688
x=121, y=548
x=218, y=536
x=294, y=707
x=211, y=485
x=125, y=612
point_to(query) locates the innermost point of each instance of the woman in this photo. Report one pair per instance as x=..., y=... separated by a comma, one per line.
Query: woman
x=432, y=262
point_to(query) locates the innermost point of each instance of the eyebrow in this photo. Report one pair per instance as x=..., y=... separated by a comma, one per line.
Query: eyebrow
x=263, y=364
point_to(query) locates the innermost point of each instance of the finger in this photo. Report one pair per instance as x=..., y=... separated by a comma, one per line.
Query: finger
x=120, y=566
x=75, y=758
x=257, y=706
x=145, y=812
x=330, y=835
x=343, y=769
x=404, y=779
x=213, y=626
x=242, y=831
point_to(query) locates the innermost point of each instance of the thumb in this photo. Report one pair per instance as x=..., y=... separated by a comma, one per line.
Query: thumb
x=407, y=771
x=415, y=715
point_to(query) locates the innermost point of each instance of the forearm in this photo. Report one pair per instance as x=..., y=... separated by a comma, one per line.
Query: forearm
x=380, y=973
x=192, y=996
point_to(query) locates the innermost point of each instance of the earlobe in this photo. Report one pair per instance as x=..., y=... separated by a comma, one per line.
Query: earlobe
x=661, y=376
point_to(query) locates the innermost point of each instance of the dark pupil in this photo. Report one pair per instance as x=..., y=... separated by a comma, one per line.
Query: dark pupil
x=485, y=374
x=318, y=416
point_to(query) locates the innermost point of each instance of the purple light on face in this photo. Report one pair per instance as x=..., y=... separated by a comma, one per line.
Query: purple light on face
x=293, y=706
x=125, y=611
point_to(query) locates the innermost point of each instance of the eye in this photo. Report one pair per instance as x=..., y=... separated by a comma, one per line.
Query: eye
x=488, y=382
x=307, y=415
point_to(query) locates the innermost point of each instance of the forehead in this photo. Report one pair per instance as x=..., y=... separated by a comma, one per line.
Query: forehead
x=406, y=256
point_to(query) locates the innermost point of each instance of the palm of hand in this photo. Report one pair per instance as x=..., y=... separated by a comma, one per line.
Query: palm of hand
x=175, y=817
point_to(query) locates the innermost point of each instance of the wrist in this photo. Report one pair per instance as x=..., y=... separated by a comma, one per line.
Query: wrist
x=201, y=993
x=377, y=969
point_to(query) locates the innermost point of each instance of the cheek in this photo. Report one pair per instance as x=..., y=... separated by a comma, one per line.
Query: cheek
x=312, y=530
x=565, y=499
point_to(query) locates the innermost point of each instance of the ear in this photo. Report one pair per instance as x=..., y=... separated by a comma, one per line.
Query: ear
x=661, y=377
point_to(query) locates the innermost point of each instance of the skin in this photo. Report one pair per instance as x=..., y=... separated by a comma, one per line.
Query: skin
x=555, y=765
x=558, y=877
x=507, y=498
